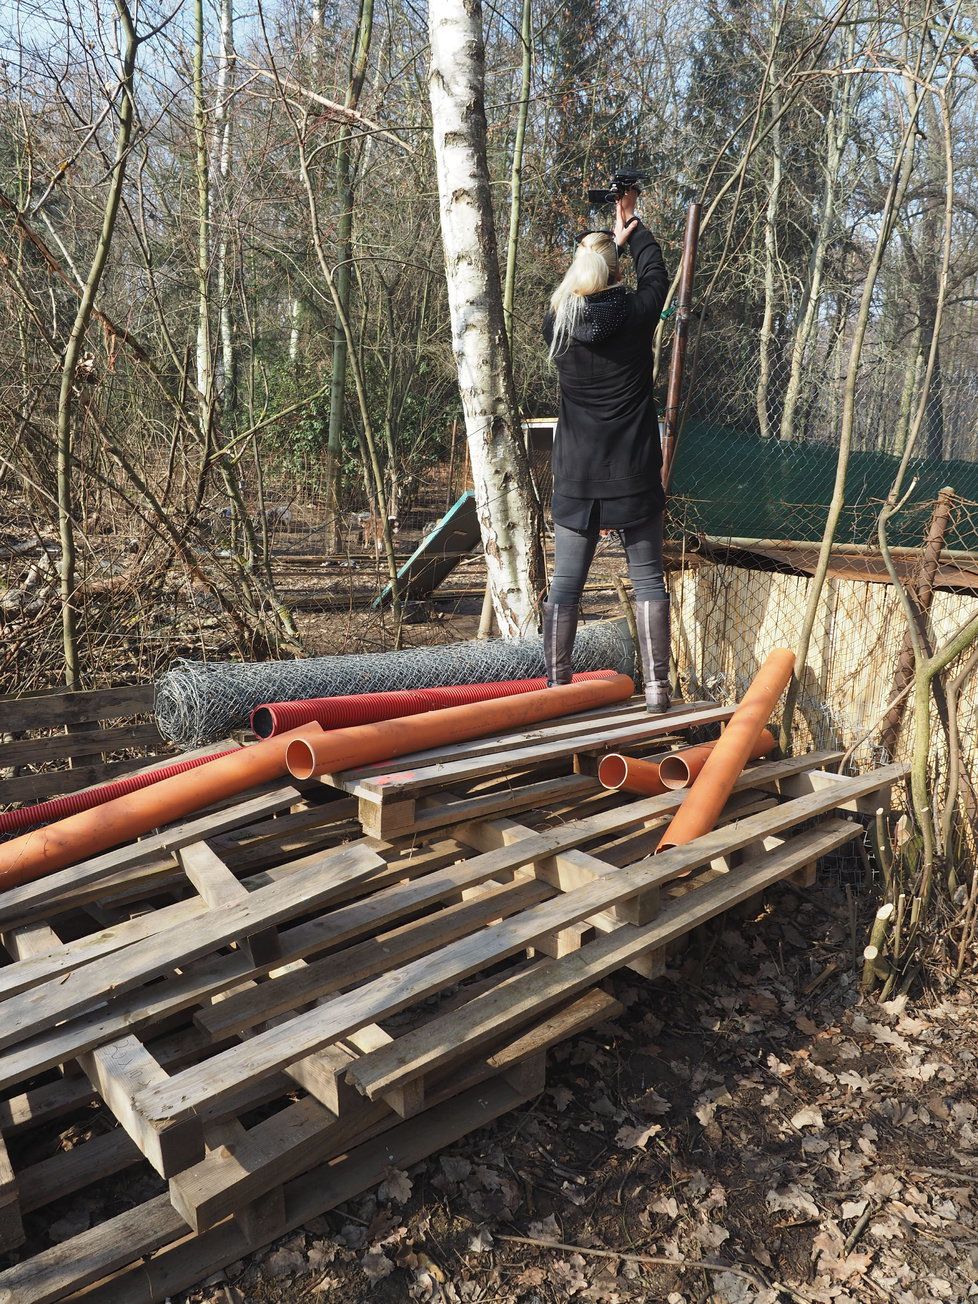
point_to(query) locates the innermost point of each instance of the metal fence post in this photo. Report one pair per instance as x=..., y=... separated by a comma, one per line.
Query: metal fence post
x=674, y=390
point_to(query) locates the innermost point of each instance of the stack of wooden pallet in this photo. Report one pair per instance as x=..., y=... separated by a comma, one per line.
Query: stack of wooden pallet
x=280, y=1000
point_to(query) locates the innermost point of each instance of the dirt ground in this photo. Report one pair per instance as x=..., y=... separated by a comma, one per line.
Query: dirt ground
x=748, y=1111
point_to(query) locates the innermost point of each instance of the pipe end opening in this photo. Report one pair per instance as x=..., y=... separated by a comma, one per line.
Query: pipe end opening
x=674, y=772
x=612, y=771
x=263, y=722
x=300, y=759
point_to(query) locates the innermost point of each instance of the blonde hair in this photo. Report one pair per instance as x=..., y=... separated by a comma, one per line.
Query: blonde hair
x=595, y=261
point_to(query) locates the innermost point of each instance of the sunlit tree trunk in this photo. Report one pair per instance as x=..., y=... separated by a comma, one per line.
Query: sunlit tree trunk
x=770, y=274
x=76, y=337
x=836, y=135
x=508, y=512
x=342, y=278
x=516, y=176
x=223, y=126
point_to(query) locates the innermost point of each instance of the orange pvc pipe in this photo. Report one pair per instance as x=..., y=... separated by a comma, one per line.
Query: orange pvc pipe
x=706, y=798
x=682, y=768
x=124, y=818
x=346, y=749
x=626, y=774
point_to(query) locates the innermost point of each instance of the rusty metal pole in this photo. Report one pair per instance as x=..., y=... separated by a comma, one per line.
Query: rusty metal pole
x=677, y=362
x=922, y=594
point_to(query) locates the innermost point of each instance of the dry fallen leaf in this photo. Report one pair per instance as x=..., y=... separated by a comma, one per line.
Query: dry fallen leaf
x=636, y=1138
x=376, y=1265
x=395, y=1188
x=810, y=1116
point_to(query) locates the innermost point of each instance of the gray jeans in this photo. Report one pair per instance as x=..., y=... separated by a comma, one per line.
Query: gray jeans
x=575, y=552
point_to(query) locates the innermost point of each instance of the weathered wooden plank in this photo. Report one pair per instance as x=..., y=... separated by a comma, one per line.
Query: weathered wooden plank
x=322, y=1188
x=497, y=1012
x=11, y=1226
x=53, y=709
x=319, y=978
x=119, y=1072
x=49, y=1003
x=20, y=904
x=48, y=962
x=68, y=1171
x=308, y=1032
x=491, y=757
x=57, y=747
x=562, y=728
x=31, y=788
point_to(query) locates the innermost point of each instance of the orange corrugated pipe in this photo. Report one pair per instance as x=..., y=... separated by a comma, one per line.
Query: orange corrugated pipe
x=80, y=836
x=682, y=768
x=86, y=834
x=706, y=798
x=346, y=749
x=627, y=774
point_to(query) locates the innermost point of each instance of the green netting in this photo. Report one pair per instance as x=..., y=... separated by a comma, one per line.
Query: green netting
x=744, y=486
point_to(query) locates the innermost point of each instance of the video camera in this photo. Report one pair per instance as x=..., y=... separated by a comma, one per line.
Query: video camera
x=622, y=181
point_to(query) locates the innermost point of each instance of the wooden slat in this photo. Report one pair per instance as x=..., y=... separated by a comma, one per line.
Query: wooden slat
x=56, y=747
x=119, y=1072
x=31, y=788
x=69, y=1171
x=11, y=1225
x=268, y=1051
x=50, y=1002
x=20, y=713
x=102, y=1250
x=490, y=756
x=563, y=727
x=20, y=904
x=498, y=1011
x=39, y=968
x=282, y=994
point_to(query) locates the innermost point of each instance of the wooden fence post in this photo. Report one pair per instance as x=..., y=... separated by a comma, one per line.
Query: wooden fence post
x=922, y=592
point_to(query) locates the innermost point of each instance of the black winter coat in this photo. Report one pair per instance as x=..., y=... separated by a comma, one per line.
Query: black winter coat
x=606, y=444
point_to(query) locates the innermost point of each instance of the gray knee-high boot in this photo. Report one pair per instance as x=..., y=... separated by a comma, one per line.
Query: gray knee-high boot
x=559, y=629
x=652, y=621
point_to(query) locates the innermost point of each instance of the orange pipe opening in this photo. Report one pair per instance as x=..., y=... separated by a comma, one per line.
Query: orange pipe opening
x=706, y=798
x=627, y=774
x=680, y=769
x=347, y=749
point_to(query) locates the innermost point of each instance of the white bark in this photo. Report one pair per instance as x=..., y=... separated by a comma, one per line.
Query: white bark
x=508, y=512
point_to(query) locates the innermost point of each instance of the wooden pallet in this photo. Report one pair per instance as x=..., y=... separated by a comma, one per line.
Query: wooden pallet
x=389, y=795
x=273, y=1009
x=83, y=729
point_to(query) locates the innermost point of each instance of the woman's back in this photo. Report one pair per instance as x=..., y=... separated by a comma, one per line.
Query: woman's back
x=607, y=438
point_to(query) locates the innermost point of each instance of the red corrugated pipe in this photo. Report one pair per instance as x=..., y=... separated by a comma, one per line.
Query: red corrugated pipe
x=74, y=802
x=274, y=718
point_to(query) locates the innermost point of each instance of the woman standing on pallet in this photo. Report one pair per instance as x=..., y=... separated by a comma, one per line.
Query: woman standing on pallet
x=607, y=461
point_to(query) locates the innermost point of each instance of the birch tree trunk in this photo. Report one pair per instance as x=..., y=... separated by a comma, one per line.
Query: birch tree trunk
x=508, y=512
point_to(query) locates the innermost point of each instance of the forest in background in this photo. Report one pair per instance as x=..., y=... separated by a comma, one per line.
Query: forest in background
x=222, y=189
